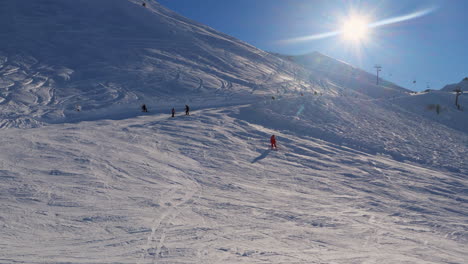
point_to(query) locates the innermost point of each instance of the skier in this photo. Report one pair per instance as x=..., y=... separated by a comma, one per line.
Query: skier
x=144, y=4
x=273, y=142
x=173, y=111
x=187, y=109
x=144, y=109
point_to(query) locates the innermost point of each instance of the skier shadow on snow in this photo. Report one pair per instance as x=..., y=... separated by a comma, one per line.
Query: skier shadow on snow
x=262, y=156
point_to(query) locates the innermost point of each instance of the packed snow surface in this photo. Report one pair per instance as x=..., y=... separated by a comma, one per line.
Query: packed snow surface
x=205, y=188
x=364, y=173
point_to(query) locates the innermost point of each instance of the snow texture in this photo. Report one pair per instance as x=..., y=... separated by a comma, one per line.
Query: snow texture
x=363, y=173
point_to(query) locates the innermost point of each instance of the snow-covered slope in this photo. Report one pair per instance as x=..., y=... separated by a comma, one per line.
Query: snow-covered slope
x=364, y=173
x=401, y=128
x=347, y=79
x=425, y=105
x=110, y=53
x=463, y=85
x=205, y=189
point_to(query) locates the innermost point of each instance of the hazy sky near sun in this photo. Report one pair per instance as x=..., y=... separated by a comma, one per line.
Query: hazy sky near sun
x=431, y=49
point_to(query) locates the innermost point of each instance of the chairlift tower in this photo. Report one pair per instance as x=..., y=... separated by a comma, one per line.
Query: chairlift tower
x=378, y=69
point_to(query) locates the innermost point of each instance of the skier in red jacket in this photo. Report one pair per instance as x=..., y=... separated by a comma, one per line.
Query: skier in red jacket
x=273, y=142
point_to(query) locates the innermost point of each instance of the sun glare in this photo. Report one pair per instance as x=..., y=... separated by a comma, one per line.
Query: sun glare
x=355, y=29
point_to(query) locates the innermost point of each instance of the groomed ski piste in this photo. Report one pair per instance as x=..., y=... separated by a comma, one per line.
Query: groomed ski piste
x=363, y=173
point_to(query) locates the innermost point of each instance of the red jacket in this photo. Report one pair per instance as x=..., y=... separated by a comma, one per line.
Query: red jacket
x=273, y=139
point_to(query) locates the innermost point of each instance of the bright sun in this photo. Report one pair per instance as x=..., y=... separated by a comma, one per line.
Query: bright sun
x=355, y=29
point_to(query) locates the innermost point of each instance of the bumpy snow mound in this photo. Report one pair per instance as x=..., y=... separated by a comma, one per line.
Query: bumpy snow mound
x=61, y=53
x=374, y=126
x=437, y=106
x=205, y=188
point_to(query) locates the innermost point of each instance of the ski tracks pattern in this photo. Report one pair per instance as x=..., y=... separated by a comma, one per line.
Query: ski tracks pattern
x=155, y=241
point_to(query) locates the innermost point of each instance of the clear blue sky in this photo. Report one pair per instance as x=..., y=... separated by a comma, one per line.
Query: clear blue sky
x=431, y=49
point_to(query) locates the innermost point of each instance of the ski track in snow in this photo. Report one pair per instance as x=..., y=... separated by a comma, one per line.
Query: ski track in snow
x=192, y=189
x=363, y=174
x=42, y=82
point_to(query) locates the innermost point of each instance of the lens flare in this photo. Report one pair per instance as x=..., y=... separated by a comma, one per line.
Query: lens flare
x=403, y=18
x=355, y=28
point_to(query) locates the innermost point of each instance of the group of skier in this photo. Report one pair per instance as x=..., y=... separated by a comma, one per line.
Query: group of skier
x=187, y=111
x=144, y=109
